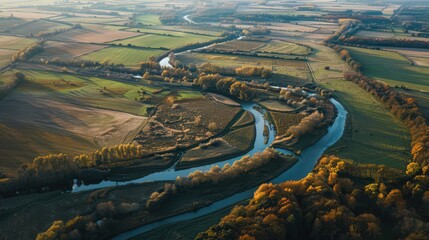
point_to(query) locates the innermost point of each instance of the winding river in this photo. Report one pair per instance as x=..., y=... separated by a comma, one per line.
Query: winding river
x=306, y=162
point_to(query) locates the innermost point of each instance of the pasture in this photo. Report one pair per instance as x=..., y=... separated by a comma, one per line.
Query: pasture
x=130, y=57
x=388, y=35
x=391, y=68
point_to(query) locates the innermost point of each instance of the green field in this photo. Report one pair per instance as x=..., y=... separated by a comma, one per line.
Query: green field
x=188, y=95
x=372, y=134
x=392, y=68
x=160, y=41
x=148, y=19
x=130, y=57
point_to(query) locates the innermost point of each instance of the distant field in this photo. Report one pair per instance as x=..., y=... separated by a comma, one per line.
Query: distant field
x=148, y=19
x=422, y=99
x=392, y=68
x=170, y=42
x=389, y=35
x=15, y=43
x=37, y=26
x=10, y=22
x=66, y=50
x=285, y=71
x=175, y=30
x=92, y=33
x=130, y=57
x=371, y=130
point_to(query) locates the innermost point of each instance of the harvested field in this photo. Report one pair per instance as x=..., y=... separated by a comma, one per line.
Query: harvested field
x=130, y=57
x=185, y=123
x=242, y=138
x=93, y=34
x=69, y=50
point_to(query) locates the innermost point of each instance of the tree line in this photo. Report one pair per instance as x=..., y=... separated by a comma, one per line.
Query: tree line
x=58, y=169
x=8, y=86
x=329, y=203
x=28, y=52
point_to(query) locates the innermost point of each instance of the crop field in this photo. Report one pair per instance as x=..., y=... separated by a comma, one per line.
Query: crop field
x=59, y=113
x=37, y=26
x=161, y=41
x=92, y=33
x=185, y=123
x=130, y=57
x=27, y=13
x=148, y=19
x=98, y=20
x=283, y=121
x=285, y=71
x=391, y=68
x=246, y=119
x=15, y=43
x=242, y=138
x=285, y=48
x=66, y=50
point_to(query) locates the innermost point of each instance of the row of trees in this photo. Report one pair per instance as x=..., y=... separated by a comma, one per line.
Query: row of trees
x=28, y=52
x=345, y=56
x=327, y=204
x=226, y=85
x=58, y=169
x=216, y=175
x=409, y=43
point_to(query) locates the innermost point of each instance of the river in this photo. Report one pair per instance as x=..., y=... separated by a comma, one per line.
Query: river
x=306, y=162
